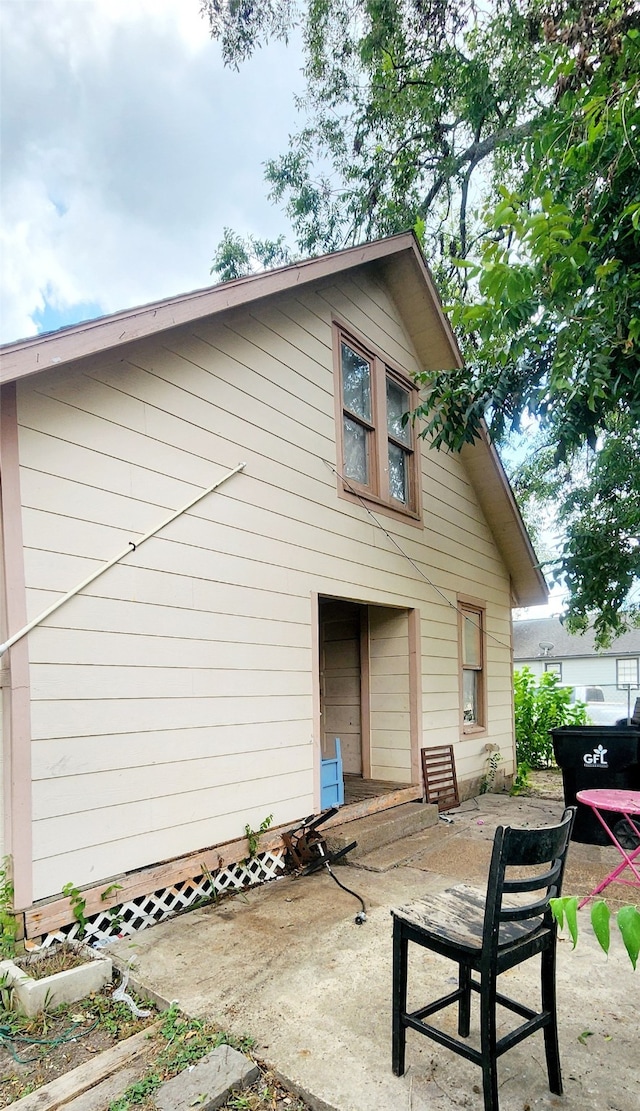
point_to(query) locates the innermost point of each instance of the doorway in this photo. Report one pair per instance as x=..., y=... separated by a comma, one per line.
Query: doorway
x=368, y=682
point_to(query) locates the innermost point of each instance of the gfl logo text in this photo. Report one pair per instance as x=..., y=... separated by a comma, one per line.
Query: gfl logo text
x=596, y=759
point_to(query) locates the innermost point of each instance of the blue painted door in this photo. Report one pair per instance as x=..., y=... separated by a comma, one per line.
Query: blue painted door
x=331, y=780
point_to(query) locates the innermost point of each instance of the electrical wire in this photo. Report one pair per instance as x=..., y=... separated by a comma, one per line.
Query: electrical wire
x=392, y=540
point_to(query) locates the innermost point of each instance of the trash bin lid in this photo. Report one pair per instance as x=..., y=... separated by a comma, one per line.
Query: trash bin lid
x=595, y=746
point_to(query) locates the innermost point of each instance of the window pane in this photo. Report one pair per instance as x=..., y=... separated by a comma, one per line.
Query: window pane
x=397, y=405
x=472, y=640
x=356, y=383
x=470, y=696
x=356, y=463
x=398, y=480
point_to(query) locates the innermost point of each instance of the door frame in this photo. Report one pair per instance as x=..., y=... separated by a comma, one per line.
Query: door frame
x=415, y=690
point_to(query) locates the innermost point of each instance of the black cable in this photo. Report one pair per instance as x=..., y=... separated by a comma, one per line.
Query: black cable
x=359, y=919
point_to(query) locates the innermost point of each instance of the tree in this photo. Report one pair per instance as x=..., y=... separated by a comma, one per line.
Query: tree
x=508, y=135
x=539, y=706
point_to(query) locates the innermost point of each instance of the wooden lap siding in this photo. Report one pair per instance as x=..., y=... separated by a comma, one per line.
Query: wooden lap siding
x=341, y=684
x=390, y=695
x=172, y=702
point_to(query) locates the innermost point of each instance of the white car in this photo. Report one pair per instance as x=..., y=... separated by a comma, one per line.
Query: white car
x=599, y=710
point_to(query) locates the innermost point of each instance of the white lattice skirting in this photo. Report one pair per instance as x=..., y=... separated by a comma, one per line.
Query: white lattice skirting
x=146, y=910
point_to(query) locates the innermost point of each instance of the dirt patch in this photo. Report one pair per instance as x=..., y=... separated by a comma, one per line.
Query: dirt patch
x=544, y=783
x=61, y=958
x=37, y=1050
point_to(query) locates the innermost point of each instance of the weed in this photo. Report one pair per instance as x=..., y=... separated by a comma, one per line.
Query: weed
x=253, y=836
x=488, y=779
x=138, y=1092
x=209, y=878
x=6, y=993
x=78, y=905
x=8, y=920
x=521, y=783
x=187, y=1041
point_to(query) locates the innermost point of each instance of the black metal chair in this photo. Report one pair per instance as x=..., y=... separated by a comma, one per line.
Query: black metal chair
x=488, y=935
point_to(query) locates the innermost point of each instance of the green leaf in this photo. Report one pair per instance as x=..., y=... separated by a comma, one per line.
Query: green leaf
x=628, y=919
x=571, y=912
x=582, y=1038
x=600, y=915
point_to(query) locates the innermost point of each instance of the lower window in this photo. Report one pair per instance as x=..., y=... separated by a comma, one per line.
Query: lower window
x=472, y=666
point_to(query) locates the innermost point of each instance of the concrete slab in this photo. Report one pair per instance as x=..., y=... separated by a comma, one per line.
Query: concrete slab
x=286, y=964
x=209, y=1083
x=384, y=828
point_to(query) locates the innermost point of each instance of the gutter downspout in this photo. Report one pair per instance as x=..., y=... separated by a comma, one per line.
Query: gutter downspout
x=132, y=547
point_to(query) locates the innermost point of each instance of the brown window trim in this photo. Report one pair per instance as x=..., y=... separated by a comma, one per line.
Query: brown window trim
x=473, y=606
x=376, y=492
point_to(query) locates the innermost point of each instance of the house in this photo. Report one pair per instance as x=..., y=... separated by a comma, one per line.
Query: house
x=607, y=679
x=322, y=574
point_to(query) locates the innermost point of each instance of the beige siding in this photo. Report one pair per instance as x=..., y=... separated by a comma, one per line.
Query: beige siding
x=172, y=700
x=390, y=707
x=340, y=683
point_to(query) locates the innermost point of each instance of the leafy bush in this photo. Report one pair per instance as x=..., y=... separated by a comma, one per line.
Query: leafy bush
x=540, y=705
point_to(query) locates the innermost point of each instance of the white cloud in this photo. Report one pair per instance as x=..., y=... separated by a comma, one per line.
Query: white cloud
x=127, y=147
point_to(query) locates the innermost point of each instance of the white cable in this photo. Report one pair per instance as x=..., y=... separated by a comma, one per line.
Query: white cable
x=393, y=540
x=105, y=567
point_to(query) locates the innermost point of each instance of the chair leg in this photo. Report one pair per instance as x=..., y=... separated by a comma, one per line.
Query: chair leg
x=464, y=1006
x=488, y=1040
x=551, y=1047
x=399, y=998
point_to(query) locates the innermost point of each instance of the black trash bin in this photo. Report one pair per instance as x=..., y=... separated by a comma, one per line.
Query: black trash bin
x=596, y=757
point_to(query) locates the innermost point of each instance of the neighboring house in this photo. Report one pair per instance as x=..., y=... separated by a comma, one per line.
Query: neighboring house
x=607, y=679
x=347, y=581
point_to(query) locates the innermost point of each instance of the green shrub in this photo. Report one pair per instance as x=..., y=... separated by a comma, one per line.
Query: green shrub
x=540, y=705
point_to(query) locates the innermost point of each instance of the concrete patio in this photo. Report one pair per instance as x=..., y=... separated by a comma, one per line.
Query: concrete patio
x=286, y=964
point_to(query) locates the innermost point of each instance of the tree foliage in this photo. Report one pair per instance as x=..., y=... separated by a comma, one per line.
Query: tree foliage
x=508, y=134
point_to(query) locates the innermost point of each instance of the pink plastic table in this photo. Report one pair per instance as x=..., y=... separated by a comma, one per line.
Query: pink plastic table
x=626, y=803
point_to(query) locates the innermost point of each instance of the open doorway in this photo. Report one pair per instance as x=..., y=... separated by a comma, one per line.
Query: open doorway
x=368, y=684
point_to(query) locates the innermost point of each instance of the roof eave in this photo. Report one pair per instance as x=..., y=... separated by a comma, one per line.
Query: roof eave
x=399, y=252
x=493, y=490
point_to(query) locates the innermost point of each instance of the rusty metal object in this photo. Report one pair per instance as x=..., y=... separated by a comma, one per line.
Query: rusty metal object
x=305, y=846
x=307, y=852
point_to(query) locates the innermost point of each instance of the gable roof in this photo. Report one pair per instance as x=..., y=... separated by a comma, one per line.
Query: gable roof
x=399, y=258
x=528, y=635
x=400, y=263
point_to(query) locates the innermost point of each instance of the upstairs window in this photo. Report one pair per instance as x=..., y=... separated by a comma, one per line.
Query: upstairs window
x=555, y=669
x=379, y=456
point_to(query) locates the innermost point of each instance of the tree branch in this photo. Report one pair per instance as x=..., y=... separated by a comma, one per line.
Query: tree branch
x=474, y=154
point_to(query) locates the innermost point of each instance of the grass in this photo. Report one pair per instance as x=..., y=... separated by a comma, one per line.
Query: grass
x=186, y=1041
x=55, y=1042
x=35, y=1050
x=181, y=1042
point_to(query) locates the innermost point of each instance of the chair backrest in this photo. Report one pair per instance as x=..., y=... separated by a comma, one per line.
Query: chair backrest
x=440, y=780
x=544, y=852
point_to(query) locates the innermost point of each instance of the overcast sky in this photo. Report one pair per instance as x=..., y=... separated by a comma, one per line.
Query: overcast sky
x=126, y=149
